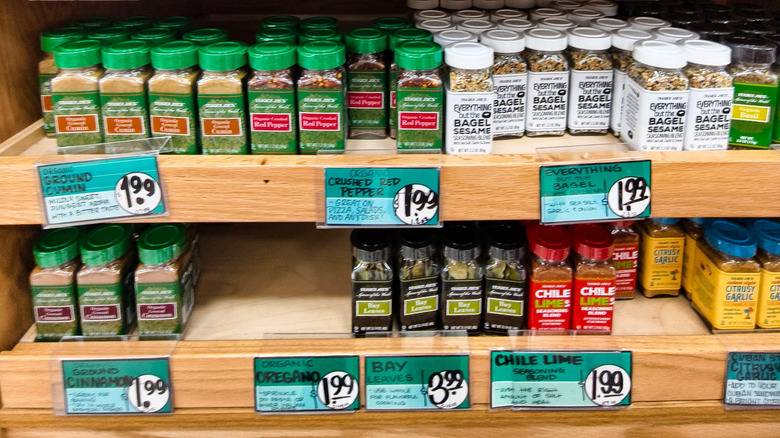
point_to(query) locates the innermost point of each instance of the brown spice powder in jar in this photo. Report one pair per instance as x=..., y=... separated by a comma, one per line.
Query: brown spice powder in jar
x=47, y=69
x=625, y=259
x=123, y=91
x=367, y=83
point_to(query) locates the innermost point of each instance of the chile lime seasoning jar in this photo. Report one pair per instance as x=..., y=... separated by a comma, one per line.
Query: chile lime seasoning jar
x=594, y=278
x=625, y=258
x=549, y=298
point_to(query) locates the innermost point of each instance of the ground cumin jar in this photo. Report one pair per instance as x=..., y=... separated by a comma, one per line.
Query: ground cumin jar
x=123, y=89
x=660, y=256
x=767, y=234
x=47, y=69
x=550, y=275
x=594, y=278
x=625, y=258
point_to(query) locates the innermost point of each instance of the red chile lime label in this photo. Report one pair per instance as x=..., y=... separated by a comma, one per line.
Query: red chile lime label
x=626, y=259
x=549, y=305
x=594, y=299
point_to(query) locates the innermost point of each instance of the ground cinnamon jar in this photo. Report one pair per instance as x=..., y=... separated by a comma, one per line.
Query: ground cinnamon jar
x=661, y=256
x=625, y=258
x=594, y=278
x=550, y=274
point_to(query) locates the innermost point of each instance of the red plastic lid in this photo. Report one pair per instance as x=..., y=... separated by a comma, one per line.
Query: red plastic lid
x=592, y=241
x=550, y=242
x=623, y=223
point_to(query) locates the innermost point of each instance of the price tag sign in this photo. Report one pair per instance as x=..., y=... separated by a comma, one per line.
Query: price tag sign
x=408, y=383
x=560, y=379
x=381, y=197
x=753, y=379
x=117, y=387
x=79, y=192
x=295, y=384
x=595, y=192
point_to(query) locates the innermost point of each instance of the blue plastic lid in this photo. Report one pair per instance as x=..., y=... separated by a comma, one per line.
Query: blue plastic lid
x=698, y=220
x=666, y=220
x=731, y=238
x=768, y=235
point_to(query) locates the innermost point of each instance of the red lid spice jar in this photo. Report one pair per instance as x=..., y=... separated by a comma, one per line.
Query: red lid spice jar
x=549, y=304
x=594, y=278
x=625, y=258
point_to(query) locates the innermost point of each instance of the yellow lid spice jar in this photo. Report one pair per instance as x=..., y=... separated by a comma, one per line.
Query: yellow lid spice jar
x=767, y=234
x=660, y=257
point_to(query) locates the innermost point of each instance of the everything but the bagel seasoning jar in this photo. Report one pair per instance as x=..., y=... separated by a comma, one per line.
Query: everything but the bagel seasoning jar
x=510, y=82
x=623, y=41
x=548, y=82
x=590, y=98
x=469, y=99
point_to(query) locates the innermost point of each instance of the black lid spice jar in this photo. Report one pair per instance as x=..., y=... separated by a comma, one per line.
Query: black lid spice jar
x=372, y=281
x=419, y=280
x=505, y=277
x=462, y=272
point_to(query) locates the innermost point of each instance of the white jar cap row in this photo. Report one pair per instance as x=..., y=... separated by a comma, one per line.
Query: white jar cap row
x=608, y=24
x=558, y=23
x=422, y=4
x=659, y=54
x=583, y=16
x=434, y=26
x=566, y=5
x=520, y=4
x=468, y=55
x=452, y=36
x=516, y=24
x=503, y=14
x=430, y=14
x=706, y=52
x=455, y=5
x=469, y=14
x=624, y=39
x=503, y=41
x=540, y=13
x=476, y=26
x=674, y=34
x=545, y=40
x=588, y=38
x=647, y=23
x=489, y=5
x=606, y=7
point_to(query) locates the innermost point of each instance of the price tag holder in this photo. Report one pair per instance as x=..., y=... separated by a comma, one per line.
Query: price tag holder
x=117, y=386
x=752, y=379
x=595, y=192
x=298, y=384
x=560, y=379
x=411, y=383
x=99, y=190
x=380, y=197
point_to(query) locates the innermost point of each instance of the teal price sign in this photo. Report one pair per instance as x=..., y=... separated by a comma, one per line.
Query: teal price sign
x=408, y=383
x=298, y=383
x=560, y=379
x=753, y=379
x=381, y=197
x=80, y=192
x=117, y=387
x=595, y=192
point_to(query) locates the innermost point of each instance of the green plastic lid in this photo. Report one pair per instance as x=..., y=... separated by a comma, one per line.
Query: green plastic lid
x=366, y=40
x=93, y=23
x=110, y=35
x=175, y=55
x=57, y=246
x=319, y=23
x=389, y=24
x=78, y=54
x=272, y=55
x=320, y=35
x=155, y=35
x=105, y=244
x=418, y=55
x=126, y=55
x=161, y=243
x=321, y=55
x=135, y=23
x=286, y=34
x=206, y=36
x=399, y=36
x=178, y=24
x=280, y=21
x=224, y=56
x=53, y=38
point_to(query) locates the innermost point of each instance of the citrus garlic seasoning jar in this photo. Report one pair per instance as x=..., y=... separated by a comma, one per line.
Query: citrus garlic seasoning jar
x=590, y=99
x=594, y=278
x=767, y=234
x=550, y=274
x=694, y=230
x=469, y=99
x=548, y=82
x=47, y=69
x=662, y=242
x=510, y=82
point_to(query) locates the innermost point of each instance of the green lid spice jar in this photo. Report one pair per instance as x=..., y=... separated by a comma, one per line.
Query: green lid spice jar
x=92, y=23
x=204, y=37
x=110, y=35
x=548, y=82
x=155, y=36
x=285, y=34
x=75, y=97
x=135, y=23
x=435, y=26
x=590, y=98
x=418, y=275
x=623, y=41
x=164, y=280
x=372, y=281
x=367, y=83
x=389, y=24
x=321, y=96
x=53, y=283
x=172, y=102
x=510, y=79
x=394, y=40
x=323, y=34
x=462, y=271
x=275, y=21
x=505, y=278
x=420, y=96
x=123, y=91
x=47, y=69
x=318, y=23
x=105, y=281
x=180, y=25
x=273, y=119
x=222, y=98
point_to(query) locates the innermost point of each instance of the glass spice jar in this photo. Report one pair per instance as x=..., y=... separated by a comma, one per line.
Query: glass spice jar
x=623, y=41
x=775, y=39
x=694, y=230
x=626, y=258
x=767, y=234
x=469, y=99
x=453, y=6
x=372, y=281
x=662, y=242
x=366, y=83
x=435, y=26
x=590, y=99
x=510, y=79
x=505, y=277
x=419, y=280
x=550, y=279
x=503, y=14
x=413, y=7
x=123, y=91
x=461, y=275
x=284, y=34
x=394, y=40
x=276, y=21
x=47, y=69
x=204, y=37
x=548, y=82
x=420, y=97
x=594, y=278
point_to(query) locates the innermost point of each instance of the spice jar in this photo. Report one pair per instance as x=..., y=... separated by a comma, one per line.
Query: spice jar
x=372, y=281
x=172, y=102
x=469, y=99
x=476, y=26
x=503, y=14
x=221, y=98
x=53, y=283
x=110, y=35
x=394, y=40
x=608, y=24
x=180, y=25
x=123, y=88
x=673, y=34
x=775, y=39
x=515, y=24
x=461, y=275
x=47, y=69
x=321, y=96
x=647, y=23
x=389, y=24
x=435, y=26
x=419, y=276
x=487, y=5
x=415, y=6
x=429, y=14
x=286, y=21
x=661, y=256
x=548, y=82
x=367, y=83
x=510, y=79
x=318, y=23
x=590, y=100
x=752, y=15
x=755, y=29
x=164, y=280
x=420, y=97
x=625, y=258
x=711, y=93
x=767, y=234
x=655, y=98
x=694, y=230
x=448, y=37
x=594, y=278
x=623, y=41
x=566, y=5
x=755, y=92
x=320, y=35
x=135, y=23
x=469, y=14
x=105, y=281
x=92, y=23
x=711, y=31
x=558, y=23
x=271, y=99
x=453, y=6
x=550, y=274
x=75, y=95
x=606, y=7
x=505, y=278
x=519, y=4
x=284, y=34
x=540, y=13
x=726, y=276
x=584, y=16
x=155, y=36
x=204, y=37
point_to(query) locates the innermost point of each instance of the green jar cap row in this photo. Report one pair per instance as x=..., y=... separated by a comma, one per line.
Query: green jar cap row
x=135, y=23
x=179, y=25
x=175, y=55
x=204, y=37
x=162, y=243
x=418, y=55
x=155, y=35
x=318, y=23
x=105, y=244
x=408, y=34
x=275, y=21
x=321, y=55
x=110, y=35
x=366, y=40
x=389, y=24
x=223, y=56
x=56, y=247
x=126, y=55
x=93, y=23
x=56, y=37
x=78, y=54
x=286, y=34
x=272, y=55
x=323, y=34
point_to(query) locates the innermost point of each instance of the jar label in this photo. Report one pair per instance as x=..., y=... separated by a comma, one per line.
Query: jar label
x=158, y=307
x=590, y=100
x=173, y=114
x=420, y=298
x=366, y=99
x=272, y=123
x=626, y=260
x=709, y=119
x=372, y=306
x=690, y=253
x=504, y=304
x=125, y=116
x=222, y=123
x=419, y=118
x=77, y=118
x=469, y=120
x=768, y=315
x=392, y=111
x=547, y=101
x=509, y=94
x=321, y=115
x=549, y=305
x=55, y=314
x=653, y=120
x=44, y=83
x=752, y=115
x=618, y=94
x=106, y=309
x=661, y=261
x=462, y=302
x=594, y=300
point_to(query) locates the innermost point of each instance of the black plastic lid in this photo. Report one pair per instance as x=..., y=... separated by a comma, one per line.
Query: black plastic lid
x=416, y=243
x=755, y=29
x=753, y=15
x=370, y=244
x=750, y=49
x=711, y=31
x=461, y=241
x=506, y=240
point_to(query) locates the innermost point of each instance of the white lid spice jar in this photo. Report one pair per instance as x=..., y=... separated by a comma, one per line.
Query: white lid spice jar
x=590, y=99
x=647, y=23
x=558, y=23
x=622, y=45
x=656, y=98
x=452, y=36
x=414, y=6
x=430, y=14
x=503, y=14
x=487, y=5
x=674, y=34
x=519, y=4
x=606, y=7
x=469, y=14
x=510, y=82
x=434, y=26
x=516, y=24
x=537, y=14
x=583, y=16
x=453, y=6
x=476, y=26
x=608, y=24
x=548, y=82
x=566, y=5
x=469, y=99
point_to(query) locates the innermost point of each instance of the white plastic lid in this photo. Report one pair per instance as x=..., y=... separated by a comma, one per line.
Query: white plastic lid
x=476, y=26
x=566, y=5
x=606, y=7
x=447, y=37
x=674, y=34
x=430, y=14
x=520, y=4
x=624, y=39
x=503, y=14
x=706, y=52
x=503, y=41
x=647, y=23
x=539, y=13
x=455, y=5
x=472, y=56
x=422, y=4
x=516, y=24
x=545, y=40
x=583, y=16
x=659, y=54
x=544, y=3
x=434, y=26
x=490, y=5
x=560, y=23
x=469, y=14
x=589, y=38
x=608, y=24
